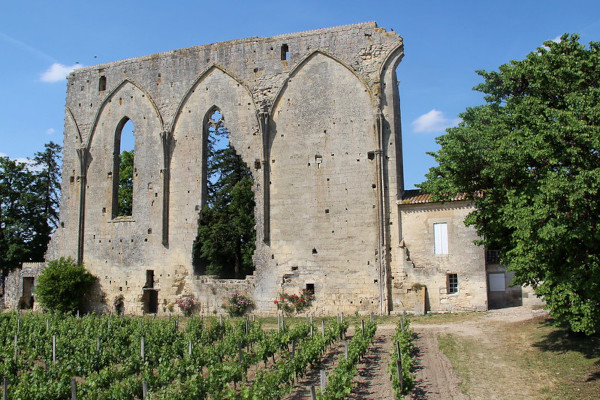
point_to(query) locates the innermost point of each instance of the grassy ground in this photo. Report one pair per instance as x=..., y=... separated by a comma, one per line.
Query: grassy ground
x=531, y=359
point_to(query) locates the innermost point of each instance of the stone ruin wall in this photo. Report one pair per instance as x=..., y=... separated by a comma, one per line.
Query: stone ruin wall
x=318, y=126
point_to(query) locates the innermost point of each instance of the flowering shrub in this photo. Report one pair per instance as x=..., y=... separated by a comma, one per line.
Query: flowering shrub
x=238, y=304
x=187, y=304
x=118, y=303
x=293, y=303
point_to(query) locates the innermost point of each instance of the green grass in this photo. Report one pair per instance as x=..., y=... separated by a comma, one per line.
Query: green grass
x=533, y=357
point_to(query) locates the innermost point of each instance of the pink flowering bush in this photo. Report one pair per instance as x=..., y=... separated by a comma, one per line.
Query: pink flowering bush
x=294, y=303
x=238, y=305
x=118, y=304
x=187, y=304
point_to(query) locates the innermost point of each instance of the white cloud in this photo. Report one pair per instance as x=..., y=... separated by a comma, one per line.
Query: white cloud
x=50, y=131
x=433, y=121
x=58, y=72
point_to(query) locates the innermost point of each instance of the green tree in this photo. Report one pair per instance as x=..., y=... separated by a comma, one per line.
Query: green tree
x=63, y=285
x=226, y=234
x=17, y=207
x=530, y=157
x=29, y=195
x=125, y=197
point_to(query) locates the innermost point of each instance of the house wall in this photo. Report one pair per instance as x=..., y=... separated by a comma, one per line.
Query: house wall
x=420, y=277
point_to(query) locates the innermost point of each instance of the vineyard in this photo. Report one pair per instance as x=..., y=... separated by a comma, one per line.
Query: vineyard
x=48, y=357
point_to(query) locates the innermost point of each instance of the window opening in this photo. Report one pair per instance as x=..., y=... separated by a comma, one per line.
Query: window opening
x=310, y=287
x=226, y=235
x=452, y=283
x=26, y=300
x=285, y=52
x=102, y=84
x=440, y=235
x=123, y=169
x=149, y=279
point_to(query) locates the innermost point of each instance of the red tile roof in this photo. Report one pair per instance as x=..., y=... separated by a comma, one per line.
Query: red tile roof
x=415, y=196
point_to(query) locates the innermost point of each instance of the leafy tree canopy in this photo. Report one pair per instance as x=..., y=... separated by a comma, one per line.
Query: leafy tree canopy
x=533, y=152
x=28, y=206
x=125, y=197
x=226, y=234
x=62, y=286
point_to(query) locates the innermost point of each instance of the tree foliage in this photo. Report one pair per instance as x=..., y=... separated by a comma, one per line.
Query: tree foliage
x=62, y=286
x=531, y=152
x=226, y=234
x=28, y=206
x=125, y=196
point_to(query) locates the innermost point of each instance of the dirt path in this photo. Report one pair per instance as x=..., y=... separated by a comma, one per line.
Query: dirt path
x=372, y=380
x=434, y=376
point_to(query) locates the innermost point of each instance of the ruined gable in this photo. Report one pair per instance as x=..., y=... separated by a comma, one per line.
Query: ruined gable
x=314, y=115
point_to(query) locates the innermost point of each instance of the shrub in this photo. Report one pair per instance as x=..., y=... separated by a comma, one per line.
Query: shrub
x=238, y=305
x=118, y=304
x=187, y=304
x=293, y=303
x=63, y=285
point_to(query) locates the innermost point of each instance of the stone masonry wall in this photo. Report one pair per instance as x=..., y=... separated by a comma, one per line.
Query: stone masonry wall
x=315, y=115
x=421, y=269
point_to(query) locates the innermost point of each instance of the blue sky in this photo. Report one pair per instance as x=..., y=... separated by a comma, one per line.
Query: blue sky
x=445, y=42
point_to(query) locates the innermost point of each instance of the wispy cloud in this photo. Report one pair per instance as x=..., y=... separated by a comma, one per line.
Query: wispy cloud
x=433, y=121
x=24, y=46
x=50, y=131
x=58, y=72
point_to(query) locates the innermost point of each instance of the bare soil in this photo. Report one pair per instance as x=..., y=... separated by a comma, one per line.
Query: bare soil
x=494, y=372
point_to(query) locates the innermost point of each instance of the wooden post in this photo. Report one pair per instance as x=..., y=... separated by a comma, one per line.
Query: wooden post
x=371, y=316
x=346, y=349
x=16, y=339
x=19, y=325
x=323, y=328
x=5, y=388
x=342, y=317
x=142, y=348
x=362, y=324
x=47, y=325
x=176, y=323
x=323, y=381
x=402, y=321
x=53, y=349
x=77, y=313
x=220, y=319
x=399, y=369
x=283, y=323
x=73, y=389
x=98, y=344
x=313, y=393
x=190, y=348
x=144, y=389
x=293, y=348
x=240, y=352
x=247, y=325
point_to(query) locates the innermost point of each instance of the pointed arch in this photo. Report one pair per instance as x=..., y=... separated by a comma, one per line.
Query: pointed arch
x=305, y=61
x=215, y=88
x=197, y=82
x=322, y=131
x=109, y=98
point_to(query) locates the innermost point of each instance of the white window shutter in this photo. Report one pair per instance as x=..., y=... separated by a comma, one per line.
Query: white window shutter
x=440, y=235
